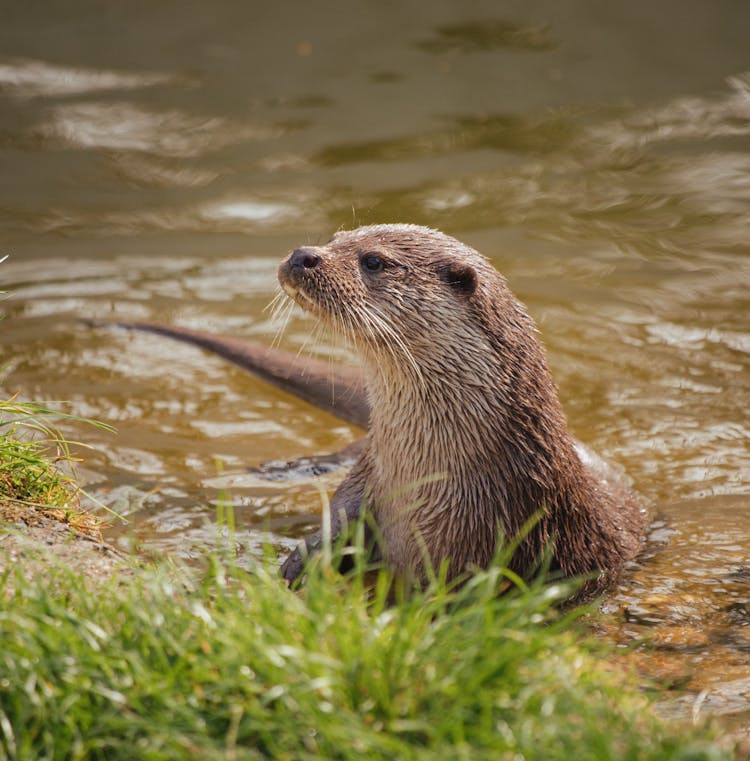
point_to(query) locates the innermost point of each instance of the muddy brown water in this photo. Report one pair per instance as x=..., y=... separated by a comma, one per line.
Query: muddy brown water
x=159, y=159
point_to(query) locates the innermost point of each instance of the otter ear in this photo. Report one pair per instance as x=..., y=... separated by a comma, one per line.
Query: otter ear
x=462, y=277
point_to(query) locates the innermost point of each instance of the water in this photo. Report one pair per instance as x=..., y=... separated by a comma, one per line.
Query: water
x=157, y=160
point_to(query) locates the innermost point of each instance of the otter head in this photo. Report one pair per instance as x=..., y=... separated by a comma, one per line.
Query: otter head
x=396, y=292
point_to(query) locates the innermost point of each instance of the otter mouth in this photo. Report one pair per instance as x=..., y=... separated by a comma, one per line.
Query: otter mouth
x=290, y=290
x=298, y=295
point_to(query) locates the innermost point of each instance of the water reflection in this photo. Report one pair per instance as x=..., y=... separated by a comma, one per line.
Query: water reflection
x=26, y=78
x=487, y=34
x=687, y=604
x=130, y=127
x=231, y=215
x=501, y=132
x=251, y=211
x=160, y=172
x=684, y=118
x=599, y=181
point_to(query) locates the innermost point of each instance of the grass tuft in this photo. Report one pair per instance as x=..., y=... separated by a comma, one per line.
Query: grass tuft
x=33, y=483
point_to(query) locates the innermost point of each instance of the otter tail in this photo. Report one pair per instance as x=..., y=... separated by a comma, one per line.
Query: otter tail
x=337, y=389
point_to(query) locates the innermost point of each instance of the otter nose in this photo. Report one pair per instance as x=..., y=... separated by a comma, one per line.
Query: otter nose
x=305, y=258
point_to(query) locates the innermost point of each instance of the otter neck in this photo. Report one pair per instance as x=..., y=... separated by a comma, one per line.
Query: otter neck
x=418, y=417
x=454, y=423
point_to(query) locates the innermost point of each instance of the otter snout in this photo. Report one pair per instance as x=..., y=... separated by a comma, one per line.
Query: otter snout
x=293, y=269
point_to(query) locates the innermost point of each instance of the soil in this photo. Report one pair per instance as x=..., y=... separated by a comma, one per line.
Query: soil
x=38, y=542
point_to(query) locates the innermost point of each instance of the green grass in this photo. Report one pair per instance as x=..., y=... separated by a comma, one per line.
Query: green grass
x=232, y=665
x=37, y=475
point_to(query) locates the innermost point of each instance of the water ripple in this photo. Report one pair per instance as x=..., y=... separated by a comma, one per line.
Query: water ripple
x=130, y=127
x=29, y=78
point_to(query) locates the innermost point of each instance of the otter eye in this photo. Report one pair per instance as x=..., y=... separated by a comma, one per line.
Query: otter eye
x=372, y=263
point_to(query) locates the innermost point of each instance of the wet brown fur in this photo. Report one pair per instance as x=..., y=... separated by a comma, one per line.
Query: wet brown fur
x=467, y=439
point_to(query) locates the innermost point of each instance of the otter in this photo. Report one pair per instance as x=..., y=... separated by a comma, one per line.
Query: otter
x=467, y=443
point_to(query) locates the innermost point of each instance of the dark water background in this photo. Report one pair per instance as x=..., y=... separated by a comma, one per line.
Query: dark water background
x=158, y=159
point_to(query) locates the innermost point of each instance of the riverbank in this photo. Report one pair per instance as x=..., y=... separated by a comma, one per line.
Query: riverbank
x=229, y=664
x=41, y=517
